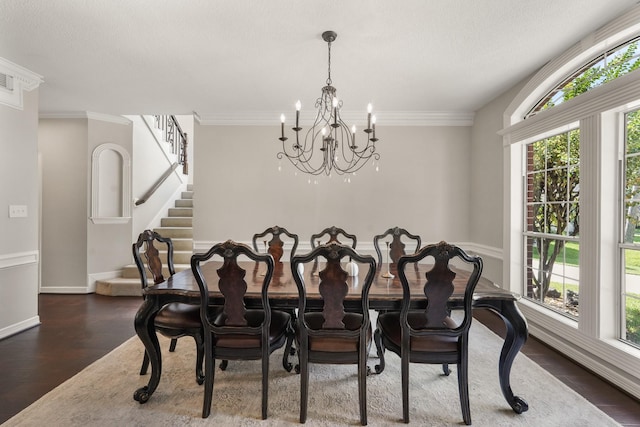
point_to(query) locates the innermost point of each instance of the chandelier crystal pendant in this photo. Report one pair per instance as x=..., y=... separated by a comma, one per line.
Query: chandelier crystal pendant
x=329, y=145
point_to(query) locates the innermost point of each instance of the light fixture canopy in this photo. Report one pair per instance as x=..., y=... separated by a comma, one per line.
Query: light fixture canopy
x=329, y=145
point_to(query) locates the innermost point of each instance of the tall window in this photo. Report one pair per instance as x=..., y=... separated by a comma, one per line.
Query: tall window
x=572, y=228
x=552, y=222
x=630, y=229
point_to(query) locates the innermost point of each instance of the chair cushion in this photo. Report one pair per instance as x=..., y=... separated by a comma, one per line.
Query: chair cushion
x=179, y=316
x=389, y=325
x=278, y=328
x=335, y=344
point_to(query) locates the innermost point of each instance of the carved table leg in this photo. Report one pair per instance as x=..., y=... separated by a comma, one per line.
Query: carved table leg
x=515, y=338
x=145, y=328
x=380, y=350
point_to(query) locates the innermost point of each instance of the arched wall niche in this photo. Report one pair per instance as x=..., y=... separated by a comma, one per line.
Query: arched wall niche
x=110, y=185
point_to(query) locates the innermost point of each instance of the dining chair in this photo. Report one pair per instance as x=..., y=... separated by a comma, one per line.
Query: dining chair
x=333, y=233
x=275, y=245
x=397, y=245
x=235, y=332
x=334, y=332
x=431, y=335
x=174, y=320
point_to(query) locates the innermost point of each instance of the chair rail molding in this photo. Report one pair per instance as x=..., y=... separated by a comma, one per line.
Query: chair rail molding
x=18, y=259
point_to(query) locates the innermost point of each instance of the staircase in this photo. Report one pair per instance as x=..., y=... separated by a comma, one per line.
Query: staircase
x=178, y=226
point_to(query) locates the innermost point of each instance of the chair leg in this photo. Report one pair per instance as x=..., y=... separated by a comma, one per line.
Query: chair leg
x=362, y=388
x=145, y=364
x=209, y=375
x=463, y=386
x=405, y=387
x=380, y=350
x=172, y=346
x=199, y=358
x=265, y=382
x=224, y=364
x=304, y=384
x=445, y=369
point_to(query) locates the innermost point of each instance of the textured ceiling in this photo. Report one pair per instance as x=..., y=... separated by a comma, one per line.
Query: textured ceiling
x=230, y=59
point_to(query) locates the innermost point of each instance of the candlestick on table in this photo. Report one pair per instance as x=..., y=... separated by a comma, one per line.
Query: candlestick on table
x=388, y=274
x=264, y=273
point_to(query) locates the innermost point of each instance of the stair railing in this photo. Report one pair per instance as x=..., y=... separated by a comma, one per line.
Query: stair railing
x=174, y=135
x=157, y=185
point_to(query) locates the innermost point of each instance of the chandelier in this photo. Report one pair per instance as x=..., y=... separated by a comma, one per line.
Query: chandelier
x=329, y=145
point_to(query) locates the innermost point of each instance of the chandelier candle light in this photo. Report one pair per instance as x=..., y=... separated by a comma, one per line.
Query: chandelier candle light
x=329, y=145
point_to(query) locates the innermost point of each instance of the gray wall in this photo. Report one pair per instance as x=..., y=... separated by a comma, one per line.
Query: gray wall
x=63, y=148
x=423, y=185
x=486, y=216
x=73, y=247
x=19, y=265
x=103, y=239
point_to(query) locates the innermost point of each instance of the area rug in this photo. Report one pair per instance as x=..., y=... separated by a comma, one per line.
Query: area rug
x=102, y=394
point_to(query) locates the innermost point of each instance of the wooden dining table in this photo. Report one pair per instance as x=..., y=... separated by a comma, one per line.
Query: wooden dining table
x=385, y=294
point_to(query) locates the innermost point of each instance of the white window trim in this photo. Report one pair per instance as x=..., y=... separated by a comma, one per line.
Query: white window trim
x=593, y=342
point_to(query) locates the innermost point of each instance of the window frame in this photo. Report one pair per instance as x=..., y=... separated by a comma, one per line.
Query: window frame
x=594, y=342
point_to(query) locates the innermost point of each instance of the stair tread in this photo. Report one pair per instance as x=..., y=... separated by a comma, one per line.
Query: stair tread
x=129, y=282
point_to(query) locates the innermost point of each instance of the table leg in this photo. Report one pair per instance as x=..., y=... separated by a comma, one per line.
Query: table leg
x=517, y=333
x=145, y=328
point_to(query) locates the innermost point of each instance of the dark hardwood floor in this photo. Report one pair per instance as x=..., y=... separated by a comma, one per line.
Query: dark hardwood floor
x=77, y=330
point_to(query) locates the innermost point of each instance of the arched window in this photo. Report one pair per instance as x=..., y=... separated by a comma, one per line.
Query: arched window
x=602, y=69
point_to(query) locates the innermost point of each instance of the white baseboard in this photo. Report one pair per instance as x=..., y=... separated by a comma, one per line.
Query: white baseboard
x=107, y=275
x=65, y=290
x=19, y=327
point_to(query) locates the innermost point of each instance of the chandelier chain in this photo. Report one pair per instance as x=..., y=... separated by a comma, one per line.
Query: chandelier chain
x=329, y=78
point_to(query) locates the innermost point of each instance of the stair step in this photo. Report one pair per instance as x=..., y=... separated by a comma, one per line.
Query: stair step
x=181, y=212
x=131, y=271
x=182, y=245
x=119, y=287
x=175, y=232
x=182, y=221
x=180, y=256
x=178, y=226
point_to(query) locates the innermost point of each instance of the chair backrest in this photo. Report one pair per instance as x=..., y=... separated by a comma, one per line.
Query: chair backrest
x=397, y=246
x=333, y=233
x=275, y=246
x=150, y=259
x=233, y=288
x=335, y=287
x=435, y=319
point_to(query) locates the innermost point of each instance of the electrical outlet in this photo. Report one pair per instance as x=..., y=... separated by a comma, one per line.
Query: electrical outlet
x=17, y=211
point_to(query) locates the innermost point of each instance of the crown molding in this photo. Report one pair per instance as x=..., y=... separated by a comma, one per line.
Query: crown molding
x=28, y=80
x=108, y=118
x=22, y=79
x=384, y=118
x=86, y=115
